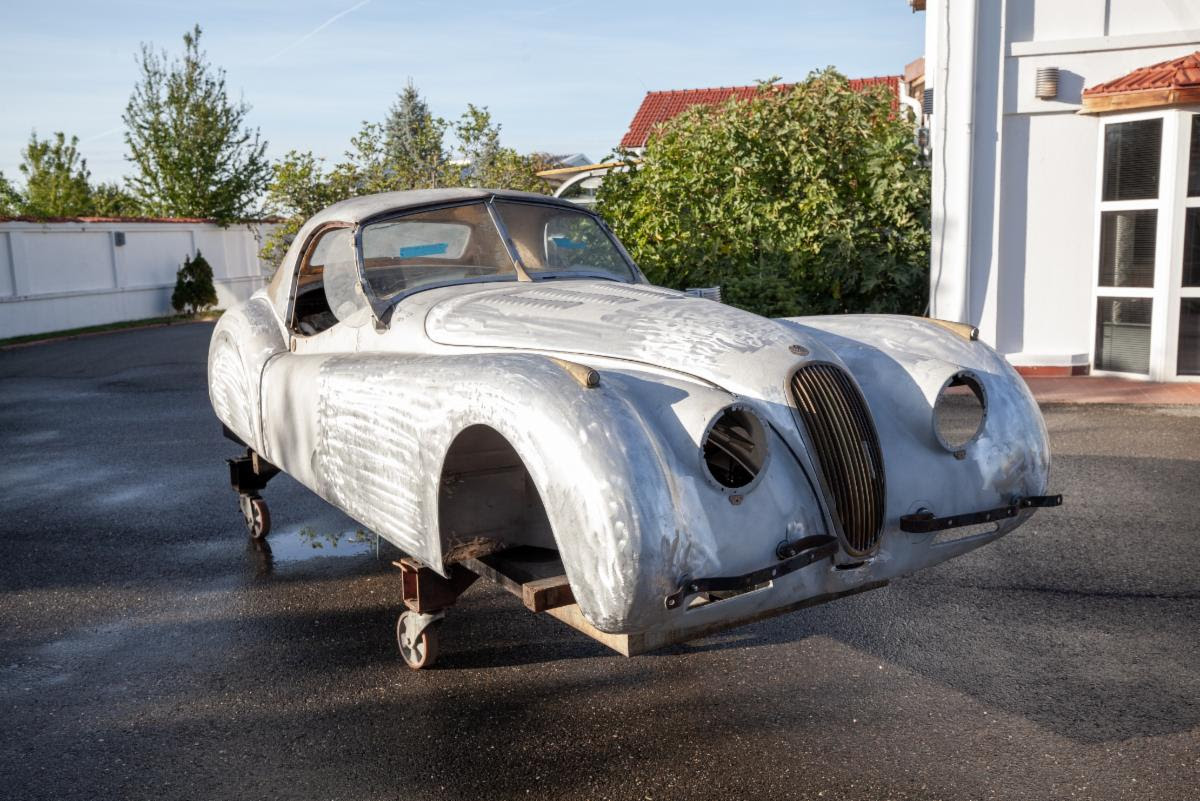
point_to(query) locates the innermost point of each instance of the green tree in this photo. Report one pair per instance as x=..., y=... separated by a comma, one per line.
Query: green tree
x=56, y=178
x=110, y=199
x=194, y=153
x=413, y=140
x=300, y=187
x=10, y=198
x=194, y=290
x=487, y=163
x=406, y=151
x=806, y=199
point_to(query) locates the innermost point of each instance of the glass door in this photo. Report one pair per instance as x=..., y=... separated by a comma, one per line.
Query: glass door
x=1187, y=342
x=1129, y=245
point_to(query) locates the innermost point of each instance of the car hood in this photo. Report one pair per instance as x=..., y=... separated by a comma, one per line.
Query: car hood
x=731, y=348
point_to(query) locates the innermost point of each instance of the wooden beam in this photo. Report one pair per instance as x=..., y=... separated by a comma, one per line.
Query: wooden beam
x=1149, y=98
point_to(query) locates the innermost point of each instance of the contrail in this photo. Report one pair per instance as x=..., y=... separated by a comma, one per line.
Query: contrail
x=317, y=30
x=102, y=134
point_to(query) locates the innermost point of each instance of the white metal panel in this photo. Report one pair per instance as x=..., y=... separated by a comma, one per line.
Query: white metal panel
x=68, y=261
x=6, y=274
x=153, y=257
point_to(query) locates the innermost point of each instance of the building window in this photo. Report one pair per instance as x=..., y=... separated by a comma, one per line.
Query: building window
x=1127, y=247
x=1132, y=151
x=1187, y=356
x=1193, y=189
x=1128, y=252
x=1189, y=337
x=1191, y=247
x=1123, y=334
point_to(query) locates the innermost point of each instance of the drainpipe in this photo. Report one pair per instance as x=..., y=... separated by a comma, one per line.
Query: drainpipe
x=954, y=118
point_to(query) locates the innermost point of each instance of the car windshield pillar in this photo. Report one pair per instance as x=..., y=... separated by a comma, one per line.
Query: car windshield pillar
x=513, y=253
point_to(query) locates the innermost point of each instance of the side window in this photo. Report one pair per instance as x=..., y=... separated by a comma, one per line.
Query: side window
x=325, y=268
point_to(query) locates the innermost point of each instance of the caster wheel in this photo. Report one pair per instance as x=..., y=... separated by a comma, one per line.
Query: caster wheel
x=256, y=515
x=419, y=650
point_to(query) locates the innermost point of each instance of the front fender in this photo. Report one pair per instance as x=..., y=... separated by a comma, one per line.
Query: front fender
x=243, y=340
x=384, y=423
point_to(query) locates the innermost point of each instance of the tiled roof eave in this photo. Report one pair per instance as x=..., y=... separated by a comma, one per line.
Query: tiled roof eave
x=1100, y=103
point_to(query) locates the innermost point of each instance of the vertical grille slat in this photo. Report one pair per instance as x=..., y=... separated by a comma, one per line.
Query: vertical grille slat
x=843, y=434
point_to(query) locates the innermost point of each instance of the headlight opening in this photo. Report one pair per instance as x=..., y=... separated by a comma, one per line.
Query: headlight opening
x=959, y=413
x=735, y=448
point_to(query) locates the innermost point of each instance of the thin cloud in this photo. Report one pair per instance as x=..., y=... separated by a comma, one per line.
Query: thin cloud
x=317, y=30
x=102, y=134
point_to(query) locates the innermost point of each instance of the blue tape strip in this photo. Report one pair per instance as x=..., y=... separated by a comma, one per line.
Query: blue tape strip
x=412, y=251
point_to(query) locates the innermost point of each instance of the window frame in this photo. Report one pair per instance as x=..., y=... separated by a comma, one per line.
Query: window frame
x=309, y=246
x=1188, y=117
x=1170, y=206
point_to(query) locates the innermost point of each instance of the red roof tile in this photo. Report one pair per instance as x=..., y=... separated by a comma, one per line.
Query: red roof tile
x=1165, y=83
x=658, y=107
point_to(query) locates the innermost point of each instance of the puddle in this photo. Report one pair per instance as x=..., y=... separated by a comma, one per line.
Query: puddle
x=299, y=545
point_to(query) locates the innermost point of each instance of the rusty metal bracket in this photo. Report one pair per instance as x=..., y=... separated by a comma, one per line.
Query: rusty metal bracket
x=423, y=590
x=814, y=549
x=250, y=473
x=925, y=523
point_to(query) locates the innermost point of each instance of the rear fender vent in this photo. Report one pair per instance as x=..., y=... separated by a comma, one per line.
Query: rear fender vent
x=847, y=448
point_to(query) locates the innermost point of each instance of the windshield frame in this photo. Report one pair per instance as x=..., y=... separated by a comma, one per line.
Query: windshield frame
x=382, y=307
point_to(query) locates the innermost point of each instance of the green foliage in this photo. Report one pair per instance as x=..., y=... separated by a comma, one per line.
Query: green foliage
x=56, y=178
x=803, y=200
x=300, y=187
x=406, y=151
x=486, y=163
x=194, y=290
x=111, y=200
x=10, y=198
x=194, y=154
x=413, y=140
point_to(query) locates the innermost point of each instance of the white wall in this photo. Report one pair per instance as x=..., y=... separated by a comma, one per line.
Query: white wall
x=1014, y=177
x=55, y=276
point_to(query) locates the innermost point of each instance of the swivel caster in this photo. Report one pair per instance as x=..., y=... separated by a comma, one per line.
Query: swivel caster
x=417, y=636
x=256, y=515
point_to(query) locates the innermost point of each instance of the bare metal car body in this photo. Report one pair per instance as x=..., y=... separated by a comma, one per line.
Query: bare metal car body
x=574, y=409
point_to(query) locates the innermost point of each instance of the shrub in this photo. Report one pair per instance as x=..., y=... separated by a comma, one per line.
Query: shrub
x=807, y=199
x=194, y=290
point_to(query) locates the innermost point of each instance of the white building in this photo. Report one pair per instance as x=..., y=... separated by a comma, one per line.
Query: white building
x=1066, y=201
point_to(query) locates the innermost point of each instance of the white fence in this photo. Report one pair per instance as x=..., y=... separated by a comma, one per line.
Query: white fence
x=60, y=275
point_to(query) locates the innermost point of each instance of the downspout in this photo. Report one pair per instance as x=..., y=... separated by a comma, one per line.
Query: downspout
x=956, y=156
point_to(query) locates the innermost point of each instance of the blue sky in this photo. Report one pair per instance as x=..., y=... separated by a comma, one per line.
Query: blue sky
x=560, y=76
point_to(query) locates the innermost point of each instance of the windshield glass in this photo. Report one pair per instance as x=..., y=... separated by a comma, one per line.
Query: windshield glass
x=433, y=247
x=558, y=239
x=462, y=243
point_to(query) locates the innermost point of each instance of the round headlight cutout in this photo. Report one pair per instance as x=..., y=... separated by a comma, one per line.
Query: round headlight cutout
x=735, y=448
x=959, y=412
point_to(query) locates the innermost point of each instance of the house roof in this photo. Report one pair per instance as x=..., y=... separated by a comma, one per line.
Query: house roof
x=1164, y=84
x=658, y=107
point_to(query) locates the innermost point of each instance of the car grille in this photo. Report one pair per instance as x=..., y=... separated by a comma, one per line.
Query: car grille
x=840, y=427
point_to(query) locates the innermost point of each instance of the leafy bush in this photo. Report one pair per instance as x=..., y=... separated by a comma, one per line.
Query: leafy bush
x=807, y=199
x=194, y=290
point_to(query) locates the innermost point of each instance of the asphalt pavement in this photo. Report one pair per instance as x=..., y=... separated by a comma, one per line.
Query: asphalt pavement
x=147, y=651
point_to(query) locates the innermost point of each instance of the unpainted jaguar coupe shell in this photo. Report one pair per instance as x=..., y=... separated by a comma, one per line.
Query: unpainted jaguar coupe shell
x=465, y=415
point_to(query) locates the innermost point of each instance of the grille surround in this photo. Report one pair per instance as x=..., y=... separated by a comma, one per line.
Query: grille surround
x=840, y=428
